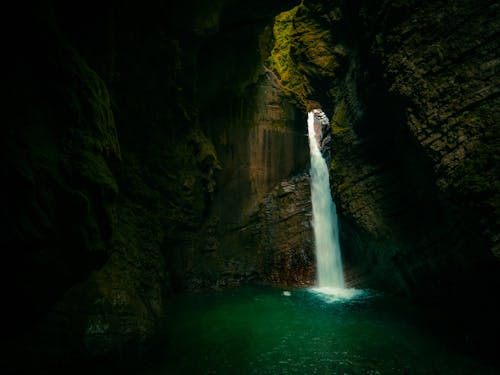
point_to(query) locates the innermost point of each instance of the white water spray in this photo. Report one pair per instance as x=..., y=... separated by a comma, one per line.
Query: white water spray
x=325, y=224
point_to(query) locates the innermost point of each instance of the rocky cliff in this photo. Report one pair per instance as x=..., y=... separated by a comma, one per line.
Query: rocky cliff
x=412, y=91
x=426, y=132
x=259, y=143
x=411, y=88
x=415, y=168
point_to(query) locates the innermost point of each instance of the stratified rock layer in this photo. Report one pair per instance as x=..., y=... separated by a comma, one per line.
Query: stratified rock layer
x=284, y=236
x=260, y=144
x=413, y=163
x=414, y=106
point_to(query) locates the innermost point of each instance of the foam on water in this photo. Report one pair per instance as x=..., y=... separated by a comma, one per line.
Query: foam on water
x=333, y=294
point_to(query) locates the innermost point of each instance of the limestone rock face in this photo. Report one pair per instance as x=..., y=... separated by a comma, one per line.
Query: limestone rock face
x=411, y=91
x=412, y=163
x=450, y=86
x=259, y=144
x=306, y=56
x=415, y=130
x=283, y=234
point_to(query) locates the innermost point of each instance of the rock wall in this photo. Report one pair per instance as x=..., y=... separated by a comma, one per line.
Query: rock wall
x=413, y=102
x=411, y=89
x=282, y=230
x=153, y=152
x=113, y=150
x=414, y=161
x=260, y=142
x=414, y=174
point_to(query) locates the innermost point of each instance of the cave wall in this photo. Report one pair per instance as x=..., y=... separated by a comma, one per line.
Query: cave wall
x=60, y=147
x=113, y=152
x=413, y=172
x=411, y=90
x=155, y=148
x=415, y=125
x=260, y=142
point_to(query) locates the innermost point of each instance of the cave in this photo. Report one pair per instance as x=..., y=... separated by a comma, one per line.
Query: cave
x=256, y=187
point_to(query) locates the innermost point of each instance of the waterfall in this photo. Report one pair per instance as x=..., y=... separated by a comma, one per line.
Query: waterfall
x=325, y=225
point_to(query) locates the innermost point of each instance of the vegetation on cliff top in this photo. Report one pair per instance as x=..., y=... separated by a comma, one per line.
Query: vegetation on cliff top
x=304, y=56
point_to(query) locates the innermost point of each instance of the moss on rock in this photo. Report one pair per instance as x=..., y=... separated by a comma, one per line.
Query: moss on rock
x=305, y=56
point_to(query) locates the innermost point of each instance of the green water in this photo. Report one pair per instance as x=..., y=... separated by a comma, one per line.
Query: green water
x=262, y=331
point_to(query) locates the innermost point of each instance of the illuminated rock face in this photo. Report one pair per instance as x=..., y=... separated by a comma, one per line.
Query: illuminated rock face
x=261, y=145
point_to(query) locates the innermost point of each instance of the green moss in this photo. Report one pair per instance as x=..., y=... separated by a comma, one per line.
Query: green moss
x=281, y=61
x=204, y=149
x=339, y=122
x=304, y=55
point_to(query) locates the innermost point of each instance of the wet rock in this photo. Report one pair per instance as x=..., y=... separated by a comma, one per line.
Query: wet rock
x=284, y=239
x=412, y=169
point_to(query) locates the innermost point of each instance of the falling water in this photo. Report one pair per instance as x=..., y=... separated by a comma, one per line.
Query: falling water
x=329, y=263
